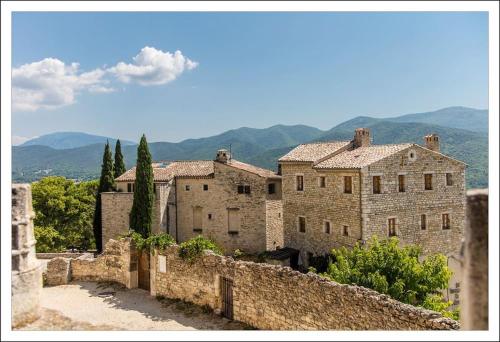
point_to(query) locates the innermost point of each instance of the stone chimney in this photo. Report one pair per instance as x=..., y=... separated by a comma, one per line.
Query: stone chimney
x=432, y=142
x=223, y=156
x=361, y=137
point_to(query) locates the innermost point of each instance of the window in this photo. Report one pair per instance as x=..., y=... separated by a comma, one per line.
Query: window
x=188, y=187
x=345, y=230
x=271, y=188
x=392, y=226
x=449, y=179
x=209, y=216
x=241, y=189
x=247, y=189
x=347, y=184
x=423, y=222
x=322, y=182
x=154, y=188
x=327, y=227
x=401, y=183
x=376, y=184
x=428, y=181
x=129, y=187
x=302, y=224
x=300, y=183
x=205, y=187
x=446, y=221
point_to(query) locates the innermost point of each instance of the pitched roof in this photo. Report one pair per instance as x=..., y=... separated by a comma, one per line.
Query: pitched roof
x=252, y=169
x=165, y=171
x=361, y=156
x=313, y=152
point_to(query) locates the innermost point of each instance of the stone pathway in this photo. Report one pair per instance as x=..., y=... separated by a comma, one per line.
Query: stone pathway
x=106, y=306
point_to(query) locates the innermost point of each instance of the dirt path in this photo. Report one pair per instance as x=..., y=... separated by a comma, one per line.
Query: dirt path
x=101, y=306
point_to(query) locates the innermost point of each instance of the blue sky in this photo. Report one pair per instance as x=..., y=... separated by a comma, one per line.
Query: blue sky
x=239, y=69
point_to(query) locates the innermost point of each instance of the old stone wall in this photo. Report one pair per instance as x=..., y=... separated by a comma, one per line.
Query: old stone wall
x=118, y=263
x=274, y=225
x=248, y=225
x=318, y=205
x=26, y=269
x=275, y=297
x=116, y=207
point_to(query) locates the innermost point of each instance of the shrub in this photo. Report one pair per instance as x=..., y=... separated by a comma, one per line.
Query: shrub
x=157, y=241
x=192, y=249
x=238, y=253
x=48, y=240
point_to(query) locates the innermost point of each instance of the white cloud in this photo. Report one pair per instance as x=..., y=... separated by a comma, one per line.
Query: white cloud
x=50, y=83
x=153, y=67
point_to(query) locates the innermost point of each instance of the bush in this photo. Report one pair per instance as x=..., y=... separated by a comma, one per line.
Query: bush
x=238, y=253
x=192, y=249
x=397, y=271
x=157, y=241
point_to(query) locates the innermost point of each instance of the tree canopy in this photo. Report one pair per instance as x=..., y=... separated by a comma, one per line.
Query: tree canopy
x=106, y=183
x=119, y=163
x=141, y=215
x=63, y=213
x=400, y=272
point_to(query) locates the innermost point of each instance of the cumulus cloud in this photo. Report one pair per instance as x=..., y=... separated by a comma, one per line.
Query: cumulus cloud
x=153, y=67
x=50, y=83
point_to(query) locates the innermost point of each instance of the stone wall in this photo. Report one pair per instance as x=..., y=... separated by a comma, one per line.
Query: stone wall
x=274, y=225
x=118, y=263
x=318, y=205
x=214, y=205
x=26, y=269
x=278, y=298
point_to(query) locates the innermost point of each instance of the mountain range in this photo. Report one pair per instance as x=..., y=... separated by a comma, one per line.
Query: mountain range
x=263, y=147
x=65, y=140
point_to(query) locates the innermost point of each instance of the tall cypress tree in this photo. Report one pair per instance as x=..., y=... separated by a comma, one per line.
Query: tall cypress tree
x=119, y=163
x=141, y=215
x=106, y=183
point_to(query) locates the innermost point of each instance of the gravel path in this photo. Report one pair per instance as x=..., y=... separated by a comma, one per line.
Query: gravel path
x=105, y=306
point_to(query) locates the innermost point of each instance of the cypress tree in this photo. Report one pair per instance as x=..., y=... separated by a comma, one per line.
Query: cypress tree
x=119, y=163
x=141, y=215
x=106, y=183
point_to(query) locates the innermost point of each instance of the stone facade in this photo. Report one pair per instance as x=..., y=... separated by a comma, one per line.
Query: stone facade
x=236, y=204
x=364, y=213
x=278, y=298
x=58, y=271
x=26, y=269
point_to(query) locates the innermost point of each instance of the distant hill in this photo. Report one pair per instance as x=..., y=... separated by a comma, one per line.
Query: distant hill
x=457, y=117
x=65, y=140
x=262, y=147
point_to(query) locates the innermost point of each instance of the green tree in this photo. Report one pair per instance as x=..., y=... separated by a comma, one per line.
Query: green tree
x=397, y=271
x=119, y=163
x=63, y=213
x=106, y=183
x=141, y=215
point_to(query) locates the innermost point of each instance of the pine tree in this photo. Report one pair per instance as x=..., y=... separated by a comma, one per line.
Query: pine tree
x=141, y=215
x=106, y=183
x=119, y=163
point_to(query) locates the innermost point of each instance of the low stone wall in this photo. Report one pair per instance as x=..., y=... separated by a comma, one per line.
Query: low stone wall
x=277, y=298
x=118, y=263
x=59, y=255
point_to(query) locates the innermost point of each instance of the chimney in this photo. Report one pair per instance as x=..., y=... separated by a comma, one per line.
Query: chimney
x=361, y=137
x=223, y=156
x=432, y=142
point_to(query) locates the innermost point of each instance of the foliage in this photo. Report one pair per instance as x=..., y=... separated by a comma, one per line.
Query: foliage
x=63, y=213
x=157, y=241
x=437, y=303
x=106, y=183
x=119, y=163
x=48, y=240
x=238, y=253
x=192, y=249
x=390, y=269
x=320, y=262
x=141, y=215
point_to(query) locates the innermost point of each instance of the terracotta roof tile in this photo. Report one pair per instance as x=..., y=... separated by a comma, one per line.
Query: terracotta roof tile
x=361, y=156
x=314, y=152
x=165, y=171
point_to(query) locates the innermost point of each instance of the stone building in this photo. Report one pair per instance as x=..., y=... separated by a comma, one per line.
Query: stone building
x=339, y=193
x=236, y=204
